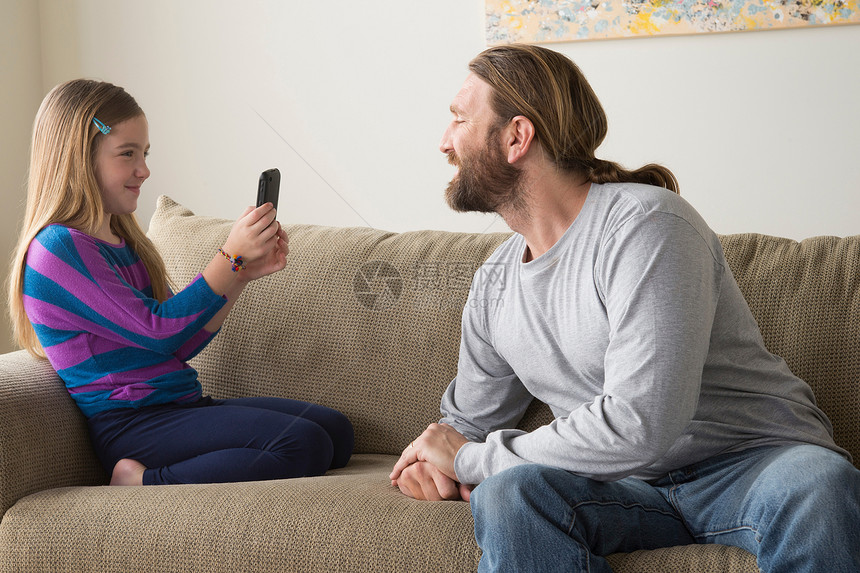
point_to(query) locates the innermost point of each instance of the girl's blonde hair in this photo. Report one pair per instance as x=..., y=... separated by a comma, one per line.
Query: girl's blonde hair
x=62, y=187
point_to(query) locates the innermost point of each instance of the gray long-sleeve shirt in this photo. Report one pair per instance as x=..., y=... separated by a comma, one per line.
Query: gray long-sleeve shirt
x=633, y=330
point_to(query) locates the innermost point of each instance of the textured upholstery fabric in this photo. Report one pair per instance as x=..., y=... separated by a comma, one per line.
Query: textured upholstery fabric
x=806, y=298
x=342, y=522
x=367, y=322
x=687, y=558
x=43, y=441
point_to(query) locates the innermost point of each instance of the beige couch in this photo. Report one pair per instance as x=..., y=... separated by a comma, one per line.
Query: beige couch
x=367, y=322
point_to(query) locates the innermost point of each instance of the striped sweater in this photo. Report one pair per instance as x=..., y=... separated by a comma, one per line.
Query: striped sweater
x=111, y=342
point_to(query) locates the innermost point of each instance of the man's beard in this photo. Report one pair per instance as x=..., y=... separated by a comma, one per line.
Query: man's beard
x=486, y=182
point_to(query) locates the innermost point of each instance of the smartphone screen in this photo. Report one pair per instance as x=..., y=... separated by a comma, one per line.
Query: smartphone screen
x=269, y=187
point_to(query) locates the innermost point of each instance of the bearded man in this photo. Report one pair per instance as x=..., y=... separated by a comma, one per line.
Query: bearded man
x=673, y=423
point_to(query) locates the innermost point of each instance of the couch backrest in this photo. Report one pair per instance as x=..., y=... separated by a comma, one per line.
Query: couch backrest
x=806, y=298
x=368, y=322
x=361, y=320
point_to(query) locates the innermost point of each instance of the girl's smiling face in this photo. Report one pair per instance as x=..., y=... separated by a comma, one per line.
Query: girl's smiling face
x=120, y=165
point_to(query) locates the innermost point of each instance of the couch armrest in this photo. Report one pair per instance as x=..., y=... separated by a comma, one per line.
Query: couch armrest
x=44, y=441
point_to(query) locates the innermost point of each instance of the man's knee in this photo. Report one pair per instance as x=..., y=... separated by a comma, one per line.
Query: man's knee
x=515, y=490
x=515, y=480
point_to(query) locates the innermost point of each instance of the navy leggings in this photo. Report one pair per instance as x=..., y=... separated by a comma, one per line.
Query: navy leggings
x=214, y=441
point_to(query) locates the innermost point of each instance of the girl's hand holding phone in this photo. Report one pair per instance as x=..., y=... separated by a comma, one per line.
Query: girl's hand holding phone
x=261, y=242
x=258, y=239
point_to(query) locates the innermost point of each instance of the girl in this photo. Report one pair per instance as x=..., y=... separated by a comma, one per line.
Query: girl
x=90, y=292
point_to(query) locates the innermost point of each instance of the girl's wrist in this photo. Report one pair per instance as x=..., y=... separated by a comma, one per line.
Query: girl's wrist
x=221, y=277
x=236, y=261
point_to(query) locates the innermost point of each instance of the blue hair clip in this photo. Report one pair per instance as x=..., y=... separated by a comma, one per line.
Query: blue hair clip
x=105, y=129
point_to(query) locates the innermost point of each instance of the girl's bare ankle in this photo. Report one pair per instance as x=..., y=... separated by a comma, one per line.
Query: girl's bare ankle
x=127, y=472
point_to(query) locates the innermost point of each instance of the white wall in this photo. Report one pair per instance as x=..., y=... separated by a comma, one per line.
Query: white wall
x=761, y=128
x=349, y=100
x=20, y=95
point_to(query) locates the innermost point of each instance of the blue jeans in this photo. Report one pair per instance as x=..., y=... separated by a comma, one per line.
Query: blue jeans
x=215, y=441
x=796, y=508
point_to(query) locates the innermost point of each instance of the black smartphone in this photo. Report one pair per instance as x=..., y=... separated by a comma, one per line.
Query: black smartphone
x=269, y=187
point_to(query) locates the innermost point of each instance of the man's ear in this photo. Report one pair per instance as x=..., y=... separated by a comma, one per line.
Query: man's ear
x=519, y=137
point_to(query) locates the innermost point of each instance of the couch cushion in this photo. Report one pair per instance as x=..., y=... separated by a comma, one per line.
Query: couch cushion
x=353, y=306
x=686, y=558
x=806, y=298
x=349, y=520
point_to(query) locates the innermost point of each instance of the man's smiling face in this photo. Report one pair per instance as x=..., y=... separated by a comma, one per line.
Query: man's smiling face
x=485, y=180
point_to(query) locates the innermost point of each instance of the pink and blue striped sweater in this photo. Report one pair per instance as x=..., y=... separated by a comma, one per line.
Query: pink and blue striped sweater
x=111, y=342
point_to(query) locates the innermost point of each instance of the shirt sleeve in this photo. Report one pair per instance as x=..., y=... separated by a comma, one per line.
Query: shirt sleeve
x=70, y=286
x=486, y=393
x=659, y=282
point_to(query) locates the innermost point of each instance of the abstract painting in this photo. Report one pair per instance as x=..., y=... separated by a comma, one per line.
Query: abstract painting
x=564, y=20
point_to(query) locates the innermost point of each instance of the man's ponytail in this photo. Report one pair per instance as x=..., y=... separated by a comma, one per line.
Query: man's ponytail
x=602, y=171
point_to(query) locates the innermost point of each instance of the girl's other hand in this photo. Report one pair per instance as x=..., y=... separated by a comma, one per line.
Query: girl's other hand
x=253, y=235
x=274, y=260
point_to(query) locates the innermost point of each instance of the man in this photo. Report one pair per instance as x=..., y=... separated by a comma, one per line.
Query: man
x=673, y=423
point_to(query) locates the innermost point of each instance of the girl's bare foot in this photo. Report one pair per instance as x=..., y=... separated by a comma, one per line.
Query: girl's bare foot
x=127, y=472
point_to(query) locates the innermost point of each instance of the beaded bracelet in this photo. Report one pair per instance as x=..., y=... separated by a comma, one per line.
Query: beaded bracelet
x=237, y=264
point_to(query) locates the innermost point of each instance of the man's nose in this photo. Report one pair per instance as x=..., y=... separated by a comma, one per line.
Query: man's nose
x=445, y=145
